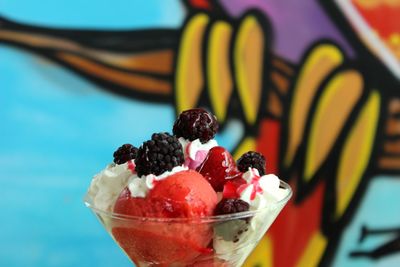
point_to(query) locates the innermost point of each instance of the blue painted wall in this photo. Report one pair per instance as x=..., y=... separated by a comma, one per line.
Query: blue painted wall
x=58, y=130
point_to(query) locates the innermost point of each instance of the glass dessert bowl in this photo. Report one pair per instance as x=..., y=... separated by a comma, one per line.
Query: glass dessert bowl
x=221, y=240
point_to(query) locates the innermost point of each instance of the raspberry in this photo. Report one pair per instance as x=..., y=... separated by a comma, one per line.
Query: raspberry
x=124, y=153
x=252, y=159
x=231, y=205
x=195, y=124
x=162, y=153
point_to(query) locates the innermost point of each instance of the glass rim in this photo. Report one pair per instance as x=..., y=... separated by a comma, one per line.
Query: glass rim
x=203, y=219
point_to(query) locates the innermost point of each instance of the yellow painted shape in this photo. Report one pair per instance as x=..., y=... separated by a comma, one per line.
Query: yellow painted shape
x=313, y=252
x=356, y=153
x=334, y=106
x=189, y=69
x=249, y=143
x=261, y=255
x=248, y=65
x=321, y=61
x=220, y=84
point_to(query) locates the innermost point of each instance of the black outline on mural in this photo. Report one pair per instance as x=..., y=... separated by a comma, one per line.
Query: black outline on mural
x=154, y=39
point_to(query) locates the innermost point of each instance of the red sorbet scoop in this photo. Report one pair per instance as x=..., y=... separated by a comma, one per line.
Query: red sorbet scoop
x=185, y=194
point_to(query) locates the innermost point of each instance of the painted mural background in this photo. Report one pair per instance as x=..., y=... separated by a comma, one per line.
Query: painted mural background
x=312, y=84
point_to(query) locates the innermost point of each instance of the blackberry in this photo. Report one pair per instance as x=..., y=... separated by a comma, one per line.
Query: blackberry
x=231, y=205
x=196, y=124
x=159, y=154
x=252, y=159
x=232, y=230
x=124, y=153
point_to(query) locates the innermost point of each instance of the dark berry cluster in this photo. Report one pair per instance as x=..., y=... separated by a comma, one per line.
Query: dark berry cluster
x=196, y=124
x=251, y=159
x=231, y=205
x=124, y=153
x=162, y=153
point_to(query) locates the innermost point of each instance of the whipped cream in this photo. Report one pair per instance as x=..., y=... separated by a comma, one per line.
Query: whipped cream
x=108, y=184
x=140, y=186
x=260, y=190
x=195, y=152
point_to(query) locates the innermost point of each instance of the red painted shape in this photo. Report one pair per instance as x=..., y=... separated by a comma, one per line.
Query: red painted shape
x=383, y=18
x=268, y=143
x=200, y=4
x=292, y=230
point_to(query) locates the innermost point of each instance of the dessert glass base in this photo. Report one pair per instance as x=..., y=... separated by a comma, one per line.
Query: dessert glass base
x=223, y=240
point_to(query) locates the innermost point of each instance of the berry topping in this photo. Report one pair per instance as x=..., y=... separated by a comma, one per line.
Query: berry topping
x=195, y=124
x=218, y=167
x=231, y=188
x=162, y=153
x=231, y=205
x=125, y=153
x=252, y=159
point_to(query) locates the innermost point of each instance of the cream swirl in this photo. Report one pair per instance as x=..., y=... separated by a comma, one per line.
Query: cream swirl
x=258, y=190
x=108, y=184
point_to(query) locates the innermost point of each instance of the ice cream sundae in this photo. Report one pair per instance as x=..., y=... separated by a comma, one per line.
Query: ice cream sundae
x=181, y=200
